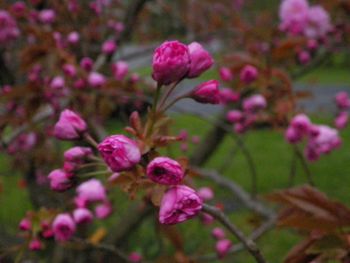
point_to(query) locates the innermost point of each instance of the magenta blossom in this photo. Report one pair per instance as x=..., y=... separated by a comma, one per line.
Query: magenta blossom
x=25, y=224
x=92, y=191
x=171, y=62
x=63, y=227
x=179, y=204
x=218, y=233
x=70, y=126
x=35, y=245
x=234, y=116
x=254, y=103
x=226, y=74
x=342, y=100
x=120, y=70
x=227, y=95
x=205, y=193
x=103, y=210
x=8, y=28
x=248, y=74
x=119, y=152
x=73, y=38
x=77, y=153
x=59, y=180
x=342, y=120
x=318, y=22
x=96, y=80
x=293, y=15
x=109, y=47
x=201, y=60
x=293, y=135
x=135, y=257
x=165, y=171
x=86, y=63
x=82, y=216
x=207, y=92
x=47, y=16
x=222, y=247
x=302, y=123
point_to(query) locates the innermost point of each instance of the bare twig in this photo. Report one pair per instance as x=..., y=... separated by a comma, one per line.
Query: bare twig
x=248, y=243
x=239, y=192
x=305, y=165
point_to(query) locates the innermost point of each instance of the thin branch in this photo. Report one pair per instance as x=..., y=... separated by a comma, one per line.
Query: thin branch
x=239, y=192
x=305, y=165
x=248, y=243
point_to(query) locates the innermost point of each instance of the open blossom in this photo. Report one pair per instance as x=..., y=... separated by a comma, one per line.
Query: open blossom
x=59, y=180
x=201, y=60
x=171, y=62
x=63, y=227
x=318, y=22
x=207, y=92
x=342, y=120
x=92, y=191
x=8, y=28
x=120, y=70
x=254, y=103
x=222, y=247
x=165, y=171
x=179, y=204
x=293, y=15
x=248, y=74
x=70, y=126
x=82, y=216
x=342, y=100
x=119, y=152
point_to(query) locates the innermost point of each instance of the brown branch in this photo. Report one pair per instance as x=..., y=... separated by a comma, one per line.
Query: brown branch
x=248, y=243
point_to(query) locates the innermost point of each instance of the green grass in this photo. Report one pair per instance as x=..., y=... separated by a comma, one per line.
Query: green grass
x=327, y=76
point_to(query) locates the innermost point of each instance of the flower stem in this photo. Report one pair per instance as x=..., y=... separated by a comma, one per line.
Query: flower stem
x=90, y=140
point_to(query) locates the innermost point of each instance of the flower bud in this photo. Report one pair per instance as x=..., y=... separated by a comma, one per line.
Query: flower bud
x=96, y=80
x=70, y=126
x=218, y=233
x=179, y=204
x=201, y=60
x=205, y=193
x=103, y=210
x=35, y=245
x=342, y=100
x=25, y=224
x=254, y=103
x=207, y=92
x=248, y=74
x=227, y=95
x=342, y=120
x=120, y=70
x=59, y=180
x=109, y=47
x=165, y=171
x=225, y=74
x=171, y=62
x=82, y=216
x=234, y=116
x=119, y=152
x=63, y=227
x=222, y=247
x=92, y=191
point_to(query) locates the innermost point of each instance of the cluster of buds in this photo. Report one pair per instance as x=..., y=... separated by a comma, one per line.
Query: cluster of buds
x=185, y=140
x=321, y=139
x=244, y=119
x=248, y=74
x=298, y=18
x=343, y=104
x=223, y=245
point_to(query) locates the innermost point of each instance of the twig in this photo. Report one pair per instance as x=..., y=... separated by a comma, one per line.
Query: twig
x=105, y=247
x=239, y=192
x=305, y=166
x=248, y=243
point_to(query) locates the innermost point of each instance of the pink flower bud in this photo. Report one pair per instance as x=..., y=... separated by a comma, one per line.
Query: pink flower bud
x=304, y=57
x=135, y=257
x=183, y=136
x=96, y=80
x=222, y=247
x=218, y=233
x=342, y=120
x=82, y=216
x=25, y=224
x=19, y=8
x=227, y=95
x=205, y=193
x=163, y=170
x=179, y=204
x=77, y=153
x=63, y=227
x=47, y=16
x=342, y=100
x=293, y=135
x=70, y=126
x=248, y=74
x=201, y=60
x=92, y=191
x=69, y=70
x=109, y=47
x=254, y=103
x=8, y=29
x=171, y=62
x=35, y=244
x=301, y=122
x=196, y=139
x=226, y=74
x=120, y=70
x=207, y=92
x=57, y=83
x=103, y=210
x=86, y=63
x=73, y=38
x=234, y=116
x=206, y=219
x=59, y=180
x=119, y=152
